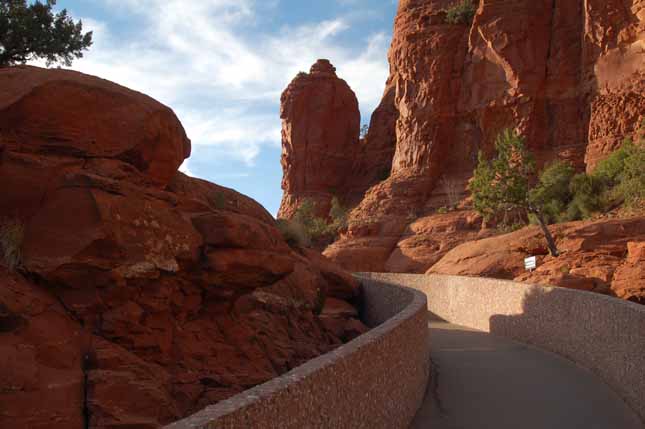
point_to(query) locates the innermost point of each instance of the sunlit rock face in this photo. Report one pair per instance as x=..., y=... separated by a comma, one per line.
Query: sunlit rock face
x=567, y=74
x=142, y=295
x=604, y=256
x=320, y=133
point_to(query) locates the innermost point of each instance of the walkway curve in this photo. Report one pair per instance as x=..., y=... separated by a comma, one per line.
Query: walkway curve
x=482, y=381
x=597, y=341
x=376, y=381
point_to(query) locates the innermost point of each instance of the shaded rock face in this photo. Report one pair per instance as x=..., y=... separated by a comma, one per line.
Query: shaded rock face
x=604, y=256
x=320, y=133
x=568, y=75
x=323, y=155
x=144, y=295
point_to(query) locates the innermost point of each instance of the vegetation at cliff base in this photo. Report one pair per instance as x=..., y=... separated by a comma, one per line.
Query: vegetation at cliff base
x=305, y=229
x=293, y=233
x=505, y=183
x=461, y=13
x=30, y=31
x=552, y=191
x=618, y=180
x=502, y=183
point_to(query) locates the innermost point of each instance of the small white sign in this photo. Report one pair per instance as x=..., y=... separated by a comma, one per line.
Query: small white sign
x=530, y=263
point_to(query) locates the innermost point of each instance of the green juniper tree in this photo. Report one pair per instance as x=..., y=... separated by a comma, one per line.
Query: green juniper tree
x=553, y=191
x=503, y=183
x=30, y=31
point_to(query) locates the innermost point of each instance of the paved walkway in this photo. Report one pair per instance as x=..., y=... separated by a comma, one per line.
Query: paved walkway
x=486, y=382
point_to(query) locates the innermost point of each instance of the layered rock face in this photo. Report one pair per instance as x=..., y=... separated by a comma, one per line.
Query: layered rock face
x=568, y=75
x=143, y=295
x=604, y=256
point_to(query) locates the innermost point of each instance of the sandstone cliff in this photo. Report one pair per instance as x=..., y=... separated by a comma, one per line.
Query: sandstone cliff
x=142, y=295
x=320, y=128
x=567, y=74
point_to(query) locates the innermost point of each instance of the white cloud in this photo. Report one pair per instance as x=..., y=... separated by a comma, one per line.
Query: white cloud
x=223, y=77
x=234, y=133
x=184, y=168
x=368, y=72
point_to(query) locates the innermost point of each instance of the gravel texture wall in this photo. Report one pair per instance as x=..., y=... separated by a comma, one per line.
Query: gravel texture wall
x=375, y=381
x=603, y=334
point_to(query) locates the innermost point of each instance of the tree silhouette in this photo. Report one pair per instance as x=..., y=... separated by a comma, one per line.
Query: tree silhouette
x=32, y=31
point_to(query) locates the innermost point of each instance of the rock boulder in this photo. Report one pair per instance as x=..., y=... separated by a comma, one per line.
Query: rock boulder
x=143, y=295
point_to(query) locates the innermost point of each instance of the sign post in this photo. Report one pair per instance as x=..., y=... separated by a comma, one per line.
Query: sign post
x=530, y=263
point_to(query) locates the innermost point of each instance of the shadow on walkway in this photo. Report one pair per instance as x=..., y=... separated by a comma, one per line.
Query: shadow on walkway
x=483, y=381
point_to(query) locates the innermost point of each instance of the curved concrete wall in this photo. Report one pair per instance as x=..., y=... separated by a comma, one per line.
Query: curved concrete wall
x=375, y=381
x=603, y=334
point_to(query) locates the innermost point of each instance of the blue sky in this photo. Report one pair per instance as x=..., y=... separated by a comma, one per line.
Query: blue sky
x=222, y=65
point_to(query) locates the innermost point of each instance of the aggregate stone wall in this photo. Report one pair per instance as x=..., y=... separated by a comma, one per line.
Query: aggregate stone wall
x=603, y=334
x=377, y=381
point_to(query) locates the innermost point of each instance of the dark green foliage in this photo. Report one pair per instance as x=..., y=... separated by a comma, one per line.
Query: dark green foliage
x=610, y=169
x=502, y=184
x=623, y=173
x=461, y=13
x=305, y=228
x=586, y=197
x=32, y=30
x=618, y=179
x=552, y=192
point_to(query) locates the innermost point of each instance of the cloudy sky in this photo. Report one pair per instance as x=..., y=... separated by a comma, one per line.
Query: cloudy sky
x=222, y=65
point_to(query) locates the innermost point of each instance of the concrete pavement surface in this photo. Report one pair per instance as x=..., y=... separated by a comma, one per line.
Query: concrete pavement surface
x=481, y=381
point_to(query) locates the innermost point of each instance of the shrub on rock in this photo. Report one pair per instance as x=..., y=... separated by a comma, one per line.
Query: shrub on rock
x=461, y=13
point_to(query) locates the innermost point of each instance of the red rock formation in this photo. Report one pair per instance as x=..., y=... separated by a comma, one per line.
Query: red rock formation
x=614, y=35
x=428, y=239
x=320, y=131
x=373, y=162
x=125, y=125
x=629, y=278
x=41, y=358
x=602, y=256
x=566, y=74
x=144, y=295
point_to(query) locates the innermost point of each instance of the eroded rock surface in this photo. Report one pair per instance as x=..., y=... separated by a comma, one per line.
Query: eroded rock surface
x=90, y=119
x=320, y=133
x=604, y=256
x=144, y=295
x=567, y=74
